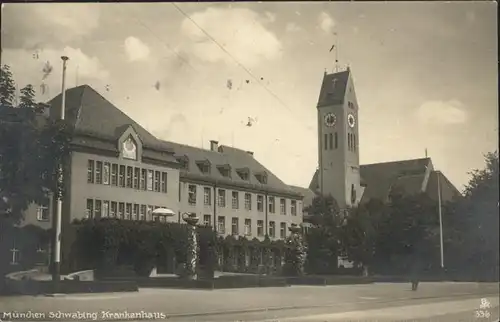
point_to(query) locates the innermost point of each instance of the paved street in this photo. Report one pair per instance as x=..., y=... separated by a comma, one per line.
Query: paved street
x=307, y=303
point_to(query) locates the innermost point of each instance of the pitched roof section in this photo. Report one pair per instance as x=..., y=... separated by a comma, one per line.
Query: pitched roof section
x=448, y=190
x=235, y=161
x=307, y=193
x=93, y=116
x=333, y=88
x=380, y=178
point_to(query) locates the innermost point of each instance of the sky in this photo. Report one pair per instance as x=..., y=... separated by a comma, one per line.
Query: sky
x=425, y=73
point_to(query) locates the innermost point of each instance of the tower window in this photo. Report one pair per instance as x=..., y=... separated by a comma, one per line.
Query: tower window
x=349, y=141
x=326, y=141
x=336, y=140
x=354, y=142
x=331, y=141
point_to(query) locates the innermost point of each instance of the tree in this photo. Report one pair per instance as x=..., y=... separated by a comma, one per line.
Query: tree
x=476, y=218
x=323, y=239
x=31, y=149
x=360, y=232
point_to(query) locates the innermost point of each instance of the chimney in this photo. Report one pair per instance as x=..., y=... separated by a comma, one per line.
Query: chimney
x=250, y=152
x=214, y=145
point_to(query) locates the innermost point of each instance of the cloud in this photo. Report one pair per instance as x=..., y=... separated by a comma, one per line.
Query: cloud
x=440, y=112
x=292, y=27
x=28, y=69
x=242, y=34
x=326, y=22
x=37, y=24
x=136, y=50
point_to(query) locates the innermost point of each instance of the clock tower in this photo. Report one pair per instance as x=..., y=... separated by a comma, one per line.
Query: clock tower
x=338, y=139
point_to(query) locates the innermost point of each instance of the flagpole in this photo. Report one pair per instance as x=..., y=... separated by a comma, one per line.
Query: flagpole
x=336, y=52
x=440, y=218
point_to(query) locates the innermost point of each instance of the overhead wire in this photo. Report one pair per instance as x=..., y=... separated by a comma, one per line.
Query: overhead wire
x=237, y=62
x=139, y=21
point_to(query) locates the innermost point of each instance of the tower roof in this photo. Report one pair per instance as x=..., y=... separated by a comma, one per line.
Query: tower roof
x=333, y=88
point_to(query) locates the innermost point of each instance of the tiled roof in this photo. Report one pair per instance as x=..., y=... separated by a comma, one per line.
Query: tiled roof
x=448, y=190
x=101, y=123
x=307, y=193
x=232, y=160
x=381, y=177
x=333, y=88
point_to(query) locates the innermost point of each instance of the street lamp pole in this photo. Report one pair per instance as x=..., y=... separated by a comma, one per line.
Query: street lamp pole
x=56, y=270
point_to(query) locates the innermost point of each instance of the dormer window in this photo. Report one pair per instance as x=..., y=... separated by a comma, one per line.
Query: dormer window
x=225, y=170
x=204, y=166
x=261, y=177
x=184, y=162
x=243, y=173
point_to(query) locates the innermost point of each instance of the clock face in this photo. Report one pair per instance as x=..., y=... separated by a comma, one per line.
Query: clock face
x=129, y=150
x=351, y=120
x=330, y=119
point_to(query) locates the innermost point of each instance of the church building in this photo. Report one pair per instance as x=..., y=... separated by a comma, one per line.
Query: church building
x=339, y=172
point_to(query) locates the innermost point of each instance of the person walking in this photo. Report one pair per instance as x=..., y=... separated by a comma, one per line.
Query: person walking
x=415, y=273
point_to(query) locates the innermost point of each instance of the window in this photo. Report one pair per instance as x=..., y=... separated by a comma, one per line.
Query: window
x=330, y=136
x=157, y=181
x=204, y=167
x=282, y=206
x=105, y=209
x=128, y=211
x=207, y=196
x=235, y=200
x=42, y=212
x=121, y=210
x=105, y=173
x=272, y=229
x=354, y=142
x=98, y=172
x=283, y=230
x=260, y=203
x=192, y=194
x=326, y=141
x=98, y=207
x=164, y=182
x=113, y=209
x=336, y=140
x=272, y=206
x=221, y=225
x=130, y=174
x=135, y=212
x=142, y=215
x=206, y=220
x=260, y=228
x=114, y=174
x=221, y=200
x=90, y=171
x=149, y=212
x=136, y=178
x=293, y=208
x=143, y=179
x=121, y=176
x=234, y=226
x=248, y=201
x=243, y=173
x=248, y=227
x=149, y=182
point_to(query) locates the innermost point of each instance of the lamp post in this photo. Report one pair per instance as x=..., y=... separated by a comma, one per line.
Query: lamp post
x=192, y=256
x=56, y=269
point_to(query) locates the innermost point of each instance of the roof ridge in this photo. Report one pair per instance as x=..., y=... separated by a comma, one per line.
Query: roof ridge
x=398, y=161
